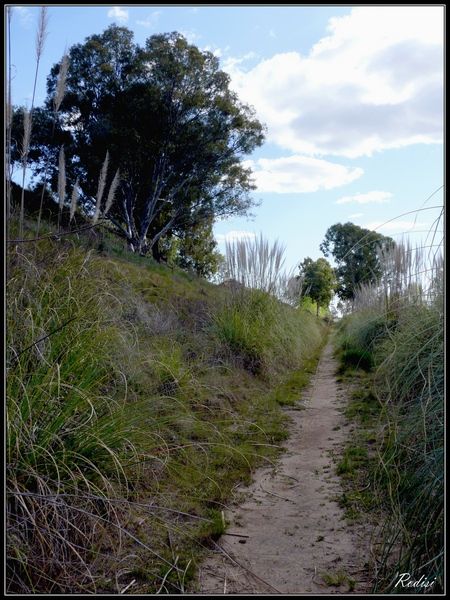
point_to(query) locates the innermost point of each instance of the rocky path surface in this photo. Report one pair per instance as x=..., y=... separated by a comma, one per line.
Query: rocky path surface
x=292, y=535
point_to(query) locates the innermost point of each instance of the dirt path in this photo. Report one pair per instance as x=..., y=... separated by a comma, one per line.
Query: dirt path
x=293, y=530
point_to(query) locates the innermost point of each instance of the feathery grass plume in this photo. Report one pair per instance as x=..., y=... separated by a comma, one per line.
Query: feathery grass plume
x=8, y=118
x=24, y=155
x=61, y=84
x=26, y=134
x=57, y=100
x=101, y=187
x=407, y=277
x=74, y=199
x=61, y=183
x=8, y=112
x=41, y=32
x=8, y=122
x=255, y=264
x=112, y=192
x=40, y=40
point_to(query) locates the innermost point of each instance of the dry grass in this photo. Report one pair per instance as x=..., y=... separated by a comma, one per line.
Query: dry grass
x=112, y=191
x=61, y=84
x=61, y=183
x=74, y=199
x=101, y=188
x=255, y=263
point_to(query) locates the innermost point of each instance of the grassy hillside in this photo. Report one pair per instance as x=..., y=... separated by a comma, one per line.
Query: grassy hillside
x=398, y=338
x=138, y=397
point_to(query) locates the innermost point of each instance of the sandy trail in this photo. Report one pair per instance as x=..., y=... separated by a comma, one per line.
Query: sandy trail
x=293, y=526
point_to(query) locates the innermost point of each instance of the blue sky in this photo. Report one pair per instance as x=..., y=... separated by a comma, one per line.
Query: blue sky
x=352, y=99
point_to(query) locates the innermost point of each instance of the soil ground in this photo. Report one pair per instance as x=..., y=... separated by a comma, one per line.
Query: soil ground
x=289, y=534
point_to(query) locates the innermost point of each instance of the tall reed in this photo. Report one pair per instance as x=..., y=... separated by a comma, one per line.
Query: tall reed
x=74, y=199
x=8, y=118
x=57, y=101
x=257, y=264
x=24, y=156
x=41, y=35
x=61, y=184
x=101, y=188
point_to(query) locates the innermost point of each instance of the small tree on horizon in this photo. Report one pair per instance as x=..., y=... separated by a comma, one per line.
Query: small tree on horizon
x=357, y=254
x=319, y=281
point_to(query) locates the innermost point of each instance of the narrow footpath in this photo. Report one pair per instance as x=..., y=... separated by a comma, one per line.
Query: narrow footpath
x=289, y=532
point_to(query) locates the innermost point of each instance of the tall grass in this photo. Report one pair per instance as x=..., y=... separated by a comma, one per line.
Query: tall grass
x=69, y=427
x=397, y=330
x=254, y=322
x=123, y=394
x=41, y=35
x=410, y=378
x=265, y=333
x=57, y=100
x=8, y=117
x=255, y=263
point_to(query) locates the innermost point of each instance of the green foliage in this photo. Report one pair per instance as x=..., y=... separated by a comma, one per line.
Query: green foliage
x=171, y=125
x=288, y=393
x=318, y=281
x=338, y=578
x=356, y=252
x=195, y=250
x=308, y=305
x=358, y=336
x=260, y=330
x=352, y=459
x=411, y=379
x=364, y=407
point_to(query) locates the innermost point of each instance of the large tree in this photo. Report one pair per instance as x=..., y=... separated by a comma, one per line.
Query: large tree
x=356, y=252
x=318, y=281
x=167, y=117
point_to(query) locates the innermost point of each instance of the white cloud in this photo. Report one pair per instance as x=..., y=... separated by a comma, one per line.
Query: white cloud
x=232, y=236
x=374, y=82
x=272, y=34
x=150, y=20
x=232, y=61
x=355, y=216
x=24, y=14
x=397, y=226
x=299, y=174
x=118, y=13
x=375, y=196
x=214, y=50
x=191, y=36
